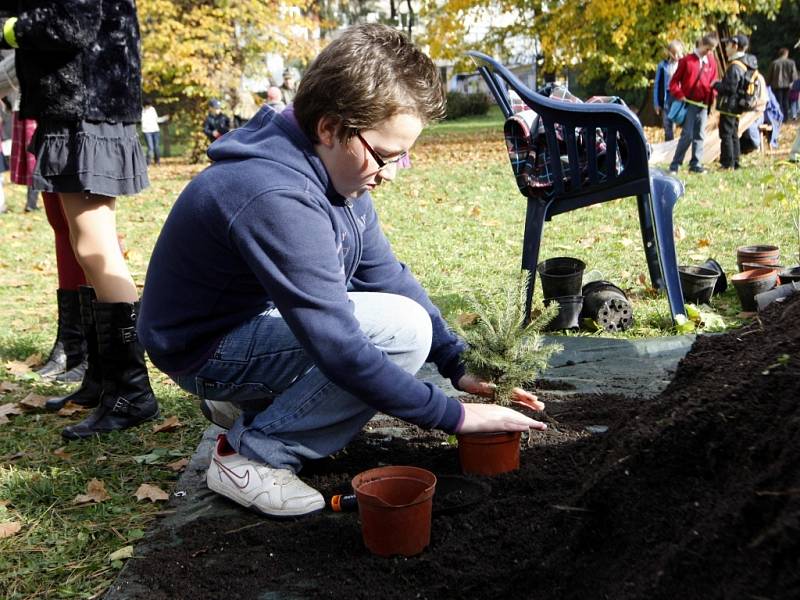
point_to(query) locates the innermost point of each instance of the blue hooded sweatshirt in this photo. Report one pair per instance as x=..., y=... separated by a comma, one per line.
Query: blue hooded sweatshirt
x=263, y=226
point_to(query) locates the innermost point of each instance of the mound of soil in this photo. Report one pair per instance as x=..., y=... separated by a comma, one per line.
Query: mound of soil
x=693, y=494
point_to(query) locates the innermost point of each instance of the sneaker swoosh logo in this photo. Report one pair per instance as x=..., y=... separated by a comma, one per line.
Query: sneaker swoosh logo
x=233, y=476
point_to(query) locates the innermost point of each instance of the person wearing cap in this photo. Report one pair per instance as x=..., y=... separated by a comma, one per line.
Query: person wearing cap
x=288, y=87
x=781, y=73
x=217, y=123
x=728, y=96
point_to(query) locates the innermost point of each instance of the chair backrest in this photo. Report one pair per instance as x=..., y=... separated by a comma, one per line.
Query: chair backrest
x=595, y=152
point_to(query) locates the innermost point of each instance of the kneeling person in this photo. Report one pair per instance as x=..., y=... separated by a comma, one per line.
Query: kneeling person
x=273, y=292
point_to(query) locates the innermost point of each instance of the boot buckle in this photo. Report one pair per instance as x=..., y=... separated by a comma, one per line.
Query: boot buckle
x=128, y=335
x=121, y=405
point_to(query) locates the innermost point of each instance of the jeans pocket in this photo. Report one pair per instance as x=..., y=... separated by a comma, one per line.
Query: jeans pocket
x=232, y=392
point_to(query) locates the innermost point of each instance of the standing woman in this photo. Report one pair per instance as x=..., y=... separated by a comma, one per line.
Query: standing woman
x=79, y=70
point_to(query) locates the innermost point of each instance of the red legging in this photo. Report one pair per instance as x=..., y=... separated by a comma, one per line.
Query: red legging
x=70, y=274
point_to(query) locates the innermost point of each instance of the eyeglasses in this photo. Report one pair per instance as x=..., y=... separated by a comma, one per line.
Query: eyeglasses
x=381, y=162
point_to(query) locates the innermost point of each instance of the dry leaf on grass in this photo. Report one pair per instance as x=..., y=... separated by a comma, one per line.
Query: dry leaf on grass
x=467, y=319
x=10, y=408
x=7, y=386
x=33, y=401
x=703, y=243
x=122, y=553
x=33, y=359
x=70, y=409
x=168, y=424
x=151, y=492
x=178, y=465
x=680, y=233
x=95, y=493
x=9, y=529
x=17, y=368
x=475, y=211
x=62, y=453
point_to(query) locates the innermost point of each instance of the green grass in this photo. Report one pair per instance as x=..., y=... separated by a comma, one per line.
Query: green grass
x=492, y=120
x=456, y=218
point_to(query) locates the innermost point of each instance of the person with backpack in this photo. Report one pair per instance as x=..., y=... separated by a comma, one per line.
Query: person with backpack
x=661, y=98
x=692, y=83
x=736, y=93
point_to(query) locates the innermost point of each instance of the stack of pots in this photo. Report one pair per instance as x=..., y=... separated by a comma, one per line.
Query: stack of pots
x=562, y=278
x=758, y=273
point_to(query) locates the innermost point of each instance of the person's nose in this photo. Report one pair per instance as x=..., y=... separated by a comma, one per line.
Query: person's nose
x=388, y=173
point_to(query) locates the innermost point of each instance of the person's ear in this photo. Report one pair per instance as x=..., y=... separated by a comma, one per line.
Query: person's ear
x=328, y=130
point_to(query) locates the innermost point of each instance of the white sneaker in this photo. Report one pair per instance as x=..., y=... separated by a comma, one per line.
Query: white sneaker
x=275, y=492
x=220, y=413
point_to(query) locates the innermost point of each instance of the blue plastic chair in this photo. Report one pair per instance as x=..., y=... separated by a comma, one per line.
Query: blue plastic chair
x=600, y=180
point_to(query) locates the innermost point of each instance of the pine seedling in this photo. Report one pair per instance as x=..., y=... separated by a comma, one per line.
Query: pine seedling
x=503, y=348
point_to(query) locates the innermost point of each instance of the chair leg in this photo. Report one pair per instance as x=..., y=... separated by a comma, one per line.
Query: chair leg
x=665, y=192
x=534, y=226
x=649, y=241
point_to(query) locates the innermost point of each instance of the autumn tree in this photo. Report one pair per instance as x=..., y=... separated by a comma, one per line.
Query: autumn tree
x=621, y=42
x=194, y=50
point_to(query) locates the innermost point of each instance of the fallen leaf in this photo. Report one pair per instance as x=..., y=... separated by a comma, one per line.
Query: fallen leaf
x=62, y=453
x=70, y=409
x=169, y=424
x=7, y=386
x=475, y=211
x=122, y=553
x=680, y=233
x=33, y=359
x=703, y=243
x=588, y=242
x=95, y=492
x=17, y=368
x=642, y=279
x=10, y=408
x=467, y=319
x=151, y=492
x=178, y=465
x=9, y=529
x=33, y=401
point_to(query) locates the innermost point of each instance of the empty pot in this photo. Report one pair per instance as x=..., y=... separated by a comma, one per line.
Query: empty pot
x=561, y=276
x=752, y=282
x=569, y=312
x=722, y=280
x=607, y=305
x=395, y=504
x=697, y=283
x=762, y=254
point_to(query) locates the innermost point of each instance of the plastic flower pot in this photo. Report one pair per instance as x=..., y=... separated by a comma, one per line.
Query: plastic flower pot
x=697, y=283
x=789, y=275
x=488, y=453
x=561, y=276
x=569, y=312
x=752, y=282
x=394, y=505
x=607, y=305
x=763, y=255
x=764, y=299
x=722, y=280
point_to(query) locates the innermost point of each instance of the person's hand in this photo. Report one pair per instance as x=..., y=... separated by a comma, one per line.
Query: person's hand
x=478, y=387
x=480, y=418
x=215, y=133
x=658, y=110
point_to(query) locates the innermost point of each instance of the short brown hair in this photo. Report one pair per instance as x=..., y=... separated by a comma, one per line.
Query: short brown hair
x=368, y=74
x=710, y=39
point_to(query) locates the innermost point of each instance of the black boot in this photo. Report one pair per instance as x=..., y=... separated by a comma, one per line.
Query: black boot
x=68, y=356
x=127, y=398
x=92, y=385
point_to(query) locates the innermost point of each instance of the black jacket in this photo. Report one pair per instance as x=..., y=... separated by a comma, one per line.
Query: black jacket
x=213, y=122
x=78, y=59
x=728, y=86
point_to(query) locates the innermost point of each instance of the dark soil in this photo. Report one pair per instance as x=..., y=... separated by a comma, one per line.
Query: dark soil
x=693, y=494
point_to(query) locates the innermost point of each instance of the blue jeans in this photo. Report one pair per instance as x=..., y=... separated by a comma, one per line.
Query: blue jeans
x=669, y=126
x=290, y=410
x=153, y=140
x=693, y=134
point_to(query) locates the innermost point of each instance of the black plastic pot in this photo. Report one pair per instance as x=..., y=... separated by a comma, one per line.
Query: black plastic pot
x=561, y=276
x=777, y=294
x=722, y=280
x=697, y=283
x=606, y=305
x=790, y=274
x=569, y=312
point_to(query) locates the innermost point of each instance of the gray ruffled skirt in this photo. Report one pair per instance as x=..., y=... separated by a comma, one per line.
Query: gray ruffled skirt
x=86, y=156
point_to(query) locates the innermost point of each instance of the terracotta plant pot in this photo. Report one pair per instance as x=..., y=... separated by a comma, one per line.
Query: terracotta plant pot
x=561, y=276
x=763, y=255
x=488, y=453
x=697, y=283
x=752, y=282
x=394, y=505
